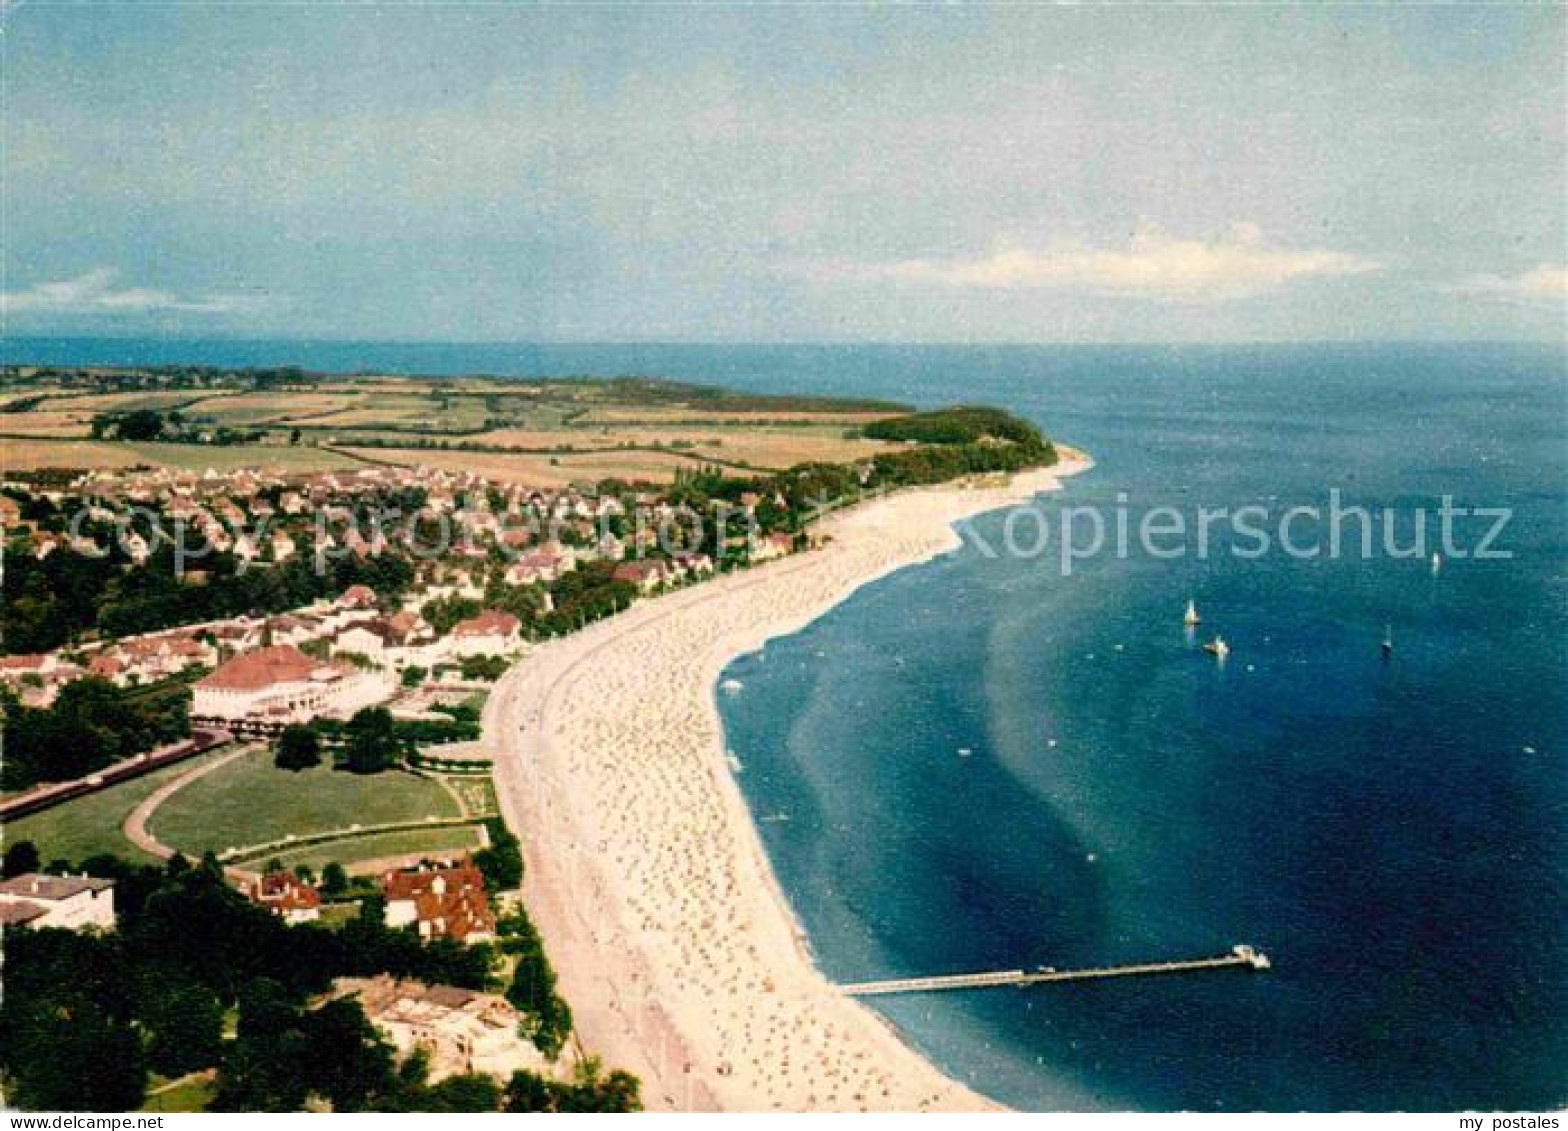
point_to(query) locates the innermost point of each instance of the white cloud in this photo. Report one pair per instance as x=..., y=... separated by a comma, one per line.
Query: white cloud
x=1153, y=265
x=1545, y=283
x=96, y=292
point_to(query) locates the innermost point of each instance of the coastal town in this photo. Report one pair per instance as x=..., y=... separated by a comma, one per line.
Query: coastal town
x=783, y=559
x=292, y=691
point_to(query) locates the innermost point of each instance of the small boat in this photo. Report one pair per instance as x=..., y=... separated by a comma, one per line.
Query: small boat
x=1388, y=639
x=1217, y=647
x=731, y=686
x=1191, y=618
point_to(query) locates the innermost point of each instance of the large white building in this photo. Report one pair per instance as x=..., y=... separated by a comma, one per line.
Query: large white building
x=491, y=633
x=461, y=1030
x=282, y=685
x=72, y=902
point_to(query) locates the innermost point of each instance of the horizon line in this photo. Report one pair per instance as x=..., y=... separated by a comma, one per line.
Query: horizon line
x=977, y=343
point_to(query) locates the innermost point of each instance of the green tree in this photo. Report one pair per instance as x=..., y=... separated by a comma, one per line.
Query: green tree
x=473, y=1092
x=529, y=1092
x=74, y=1057
x=502, y=861
x=299, y=748
x=141, y=424
x=350, y=1062
x=334, y=880
x=370, y=742
x=20, y=858
x=264, y=1069
x=186, y=1026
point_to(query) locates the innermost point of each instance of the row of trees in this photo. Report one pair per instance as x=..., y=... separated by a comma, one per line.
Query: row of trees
x=372, y=740
x=52, y=600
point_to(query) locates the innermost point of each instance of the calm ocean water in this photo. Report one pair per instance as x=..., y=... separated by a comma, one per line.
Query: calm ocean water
x=982, y=763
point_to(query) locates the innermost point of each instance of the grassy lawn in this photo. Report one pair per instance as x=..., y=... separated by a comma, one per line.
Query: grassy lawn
x=478, y=794
x=337, y=914
x=90, y=826
x=457, y=838
x=250, y=801
x=191, y=1093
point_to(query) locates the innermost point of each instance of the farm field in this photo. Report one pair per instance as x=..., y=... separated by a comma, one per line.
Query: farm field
x=540, y=470
x=242, y=409
x=90, y=826
x=43, y=422
x=575, y=430
x=770, y=447
x=250, y=801
x=199, y=457
x=33, y=454
x=681, y=414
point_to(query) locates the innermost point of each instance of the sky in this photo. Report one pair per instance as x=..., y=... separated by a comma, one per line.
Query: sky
x=498, y=172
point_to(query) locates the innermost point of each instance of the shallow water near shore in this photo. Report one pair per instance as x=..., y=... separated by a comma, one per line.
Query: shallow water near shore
x=980, y=763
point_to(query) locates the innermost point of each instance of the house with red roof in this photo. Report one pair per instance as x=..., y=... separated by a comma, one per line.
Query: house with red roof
x=647, y=574
x=286, y=896
x=358, y=597
x=441, y=901
x=491, y=633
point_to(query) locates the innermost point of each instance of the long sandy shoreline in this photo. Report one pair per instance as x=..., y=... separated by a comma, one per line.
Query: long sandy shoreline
x=645, y=873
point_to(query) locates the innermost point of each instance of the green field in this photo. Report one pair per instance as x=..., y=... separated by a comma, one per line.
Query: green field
x=478, y=794
x=250, y=801
x=199, y=457
x=90, y=826
x=193, y=1093
x=456, y=838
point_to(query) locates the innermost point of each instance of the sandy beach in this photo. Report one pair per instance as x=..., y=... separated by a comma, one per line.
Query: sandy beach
x=645, y=874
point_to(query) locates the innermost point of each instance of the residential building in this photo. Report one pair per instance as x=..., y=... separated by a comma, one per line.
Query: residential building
x=440, y=901
x=491, y=633
x=286, y=896
x=75, y=903
x=462, y=1031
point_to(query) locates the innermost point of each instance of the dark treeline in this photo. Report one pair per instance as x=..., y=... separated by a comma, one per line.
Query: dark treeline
x=52, y=600
x=91, y=724
x=962, y=424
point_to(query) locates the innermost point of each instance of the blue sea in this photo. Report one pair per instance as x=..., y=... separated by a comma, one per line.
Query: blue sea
x=985, y=762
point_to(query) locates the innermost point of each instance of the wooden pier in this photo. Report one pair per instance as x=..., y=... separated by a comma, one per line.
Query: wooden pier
x=1241, y=956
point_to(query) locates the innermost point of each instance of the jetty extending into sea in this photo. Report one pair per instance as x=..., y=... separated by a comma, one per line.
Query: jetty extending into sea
x=1241, y=956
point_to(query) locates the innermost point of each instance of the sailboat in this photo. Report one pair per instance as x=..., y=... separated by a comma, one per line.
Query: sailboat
x=1191, y=618
x=1217, y=647
x=1437, y=563
x=1388, y=639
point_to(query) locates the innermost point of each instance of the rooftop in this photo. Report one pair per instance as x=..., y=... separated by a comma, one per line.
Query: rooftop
x=51, y=889
x=281, y=663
